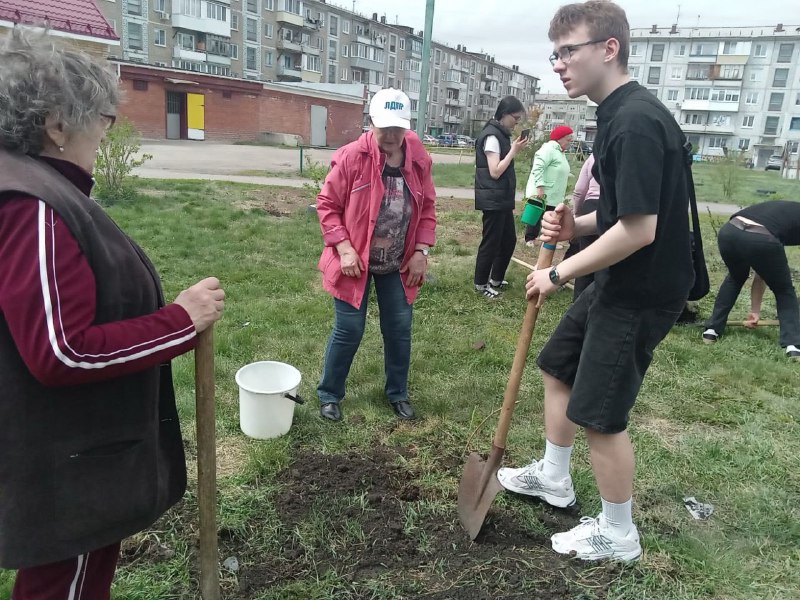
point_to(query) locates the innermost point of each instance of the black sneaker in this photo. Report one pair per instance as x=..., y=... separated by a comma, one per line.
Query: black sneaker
x=498, y=286
x=793, y=354
x=710, y=336
x=488, y=291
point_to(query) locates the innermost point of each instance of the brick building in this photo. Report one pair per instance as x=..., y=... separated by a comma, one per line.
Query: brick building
x=172, y=104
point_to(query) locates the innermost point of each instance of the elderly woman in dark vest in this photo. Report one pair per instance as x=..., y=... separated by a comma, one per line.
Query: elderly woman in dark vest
x=495, y=188
x=92, y=448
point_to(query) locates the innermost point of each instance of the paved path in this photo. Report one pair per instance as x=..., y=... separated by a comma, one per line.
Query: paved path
x=466, y=193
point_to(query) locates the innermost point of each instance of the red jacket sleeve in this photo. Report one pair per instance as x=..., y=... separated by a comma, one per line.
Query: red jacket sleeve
x=47, y=297
x=331, y=202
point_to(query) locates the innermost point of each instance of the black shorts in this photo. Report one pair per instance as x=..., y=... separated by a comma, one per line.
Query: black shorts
x=603, y=351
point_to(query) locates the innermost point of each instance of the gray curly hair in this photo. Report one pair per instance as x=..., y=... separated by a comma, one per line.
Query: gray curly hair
x=38, y=79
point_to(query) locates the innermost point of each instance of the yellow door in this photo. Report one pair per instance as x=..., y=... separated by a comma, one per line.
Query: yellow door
x=196, y=116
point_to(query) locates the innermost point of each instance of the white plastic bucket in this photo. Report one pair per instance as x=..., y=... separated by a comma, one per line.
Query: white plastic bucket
x=267, y=395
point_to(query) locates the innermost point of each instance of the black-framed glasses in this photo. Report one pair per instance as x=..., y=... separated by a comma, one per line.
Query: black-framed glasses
x=564, y=54
x=109, y=120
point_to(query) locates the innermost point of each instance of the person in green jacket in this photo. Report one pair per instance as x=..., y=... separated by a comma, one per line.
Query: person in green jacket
x=549, y=174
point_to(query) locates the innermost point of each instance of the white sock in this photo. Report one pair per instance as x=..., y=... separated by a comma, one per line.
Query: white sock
x=619, y=517
x=556, y=461
x=792, y=348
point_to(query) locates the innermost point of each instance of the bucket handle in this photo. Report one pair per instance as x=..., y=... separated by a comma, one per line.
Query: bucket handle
x=298, y=399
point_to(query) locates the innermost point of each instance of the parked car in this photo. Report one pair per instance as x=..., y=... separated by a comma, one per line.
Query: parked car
x=775, y=163
x=447, y=139
x=580, y=146
x=467, y=141
x=429, y=140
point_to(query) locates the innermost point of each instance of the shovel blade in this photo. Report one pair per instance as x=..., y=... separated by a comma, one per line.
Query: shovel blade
x=477, y=490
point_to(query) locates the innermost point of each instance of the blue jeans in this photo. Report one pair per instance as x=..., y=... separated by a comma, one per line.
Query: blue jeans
x=348, y=329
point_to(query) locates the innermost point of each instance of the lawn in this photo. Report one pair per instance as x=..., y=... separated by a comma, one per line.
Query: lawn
x=708, y=181
x=366, y=509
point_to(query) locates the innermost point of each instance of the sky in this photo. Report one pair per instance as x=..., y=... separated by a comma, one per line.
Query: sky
x=515, y=31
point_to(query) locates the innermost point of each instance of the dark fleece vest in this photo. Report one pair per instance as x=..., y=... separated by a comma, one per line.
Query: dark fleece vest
x=494, y=194
x=84, y=466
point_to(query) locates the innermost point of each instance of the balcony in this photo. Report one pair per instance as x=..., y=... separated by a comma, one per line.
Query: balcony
x=289, y=45
x=290, y=18
x=453, y=118
x=312, y=50
x=290, y=73
x=590, y=124
x=218, y=59
x=184, y=54
x=310, y=76
x=516, y=84
x=489, y=77
x=365, y=63
x=313, y=24
x=454, y=102
x=213, y=26
x=455, y=85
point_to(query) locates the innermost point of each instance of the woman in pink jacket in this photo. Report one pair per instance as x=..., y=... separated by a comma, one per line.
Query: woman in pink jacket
x=378, y=220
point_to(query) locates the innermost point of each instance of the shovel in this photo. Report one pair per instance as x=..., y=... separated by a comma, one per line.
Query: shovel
x=206, y=464
x=479, y=483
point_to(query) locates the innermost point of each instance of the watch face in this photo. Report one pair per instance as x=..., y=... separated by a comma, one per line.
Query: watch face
x=554, y=276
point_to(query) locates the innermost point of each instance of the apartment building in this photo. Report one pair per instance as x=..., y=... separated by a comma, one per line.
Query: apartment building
x=314, y=41
x=560, y=109
x=729, y=87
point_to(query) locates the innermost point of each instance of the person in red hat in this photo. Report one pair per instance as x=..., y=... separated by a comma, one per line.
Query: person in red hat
x=549, y=174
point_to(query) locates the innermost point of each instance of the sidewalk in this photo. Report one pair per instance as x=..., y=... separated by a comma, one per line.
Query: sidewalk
x=463, y=193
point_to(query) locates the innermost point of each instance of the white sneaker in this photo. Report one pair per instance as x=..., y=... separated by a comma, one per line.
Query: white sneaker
x=532, y=481
x=592, y=539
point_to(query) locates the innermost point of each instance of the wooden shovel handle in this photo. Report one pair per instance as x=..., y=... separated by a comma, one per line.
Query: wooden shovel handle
x=521, y=354
x=206, y=464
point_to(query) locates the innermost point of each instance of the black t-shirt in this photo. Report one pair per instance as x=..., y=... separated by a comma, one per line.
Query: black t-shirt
x=640, y=166
x=780, y=217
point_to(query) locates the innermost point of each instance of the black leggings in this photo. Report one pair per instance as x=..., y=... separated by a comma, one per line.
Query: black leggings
x=497, y=246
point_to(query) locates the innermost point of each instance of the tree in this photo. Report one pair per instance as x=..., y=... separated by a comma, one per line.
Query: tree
x=116, y=158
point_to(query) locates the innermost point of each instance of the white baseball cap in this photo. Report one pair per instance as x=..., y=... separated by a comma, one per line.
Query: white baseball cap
x=390, y=108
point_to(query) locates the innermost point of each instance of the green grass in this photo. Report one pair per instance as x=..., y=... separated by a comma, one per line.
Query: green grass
x=707, y=176
x=718, y=422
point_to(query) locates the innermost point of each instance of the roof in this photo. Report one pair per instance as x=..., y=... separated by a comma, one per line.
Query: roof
x=77, y=17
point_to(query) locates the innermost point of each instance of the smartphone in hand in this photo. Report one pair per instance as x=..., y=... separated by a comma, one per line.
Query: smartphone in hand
x=525, y=133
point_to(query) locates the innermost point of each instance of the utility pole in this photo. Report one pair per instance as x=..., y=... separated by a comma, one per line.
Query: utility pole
x=422, y=105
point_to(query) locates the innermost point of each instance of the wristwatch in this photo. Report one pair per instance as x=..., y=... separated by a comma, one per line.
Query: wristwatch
x=425, y=251
x=554, y=276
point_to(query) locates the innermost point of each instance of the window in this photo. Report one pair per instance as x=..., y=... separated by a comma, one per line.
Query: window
x=635, y=50
x=672, y=95
x=435, y=96
x=797, y=100
x=312, y=63
x=706, y=49
x=392, y=43
x=345, y=26
x=333, y=25
x=654, y=75
x=775, y=102
x=392, y=64
x=725, y=95
x=717, y=141
x=402, y=43
x=218, y=12
x=333, y=49
x=436, y=76
x=755, y=74
x=135, y=36
x=744, y=143
x=633, y=72
x=698, y=72
x=779, y=80
x=251, y=58
x=331, y=73
x=345, y=50
x=134, y=7
x=794, y=124
x=268, y=58
x=345, y=72
x=160, y=37
x=234, y=22
x=677, y=73
x=235, y=51
x=785, y=53
x=731, y=72
x=269, y=30
x=269, y=4
x=437, y=57
x=748, y=120
x=140, y=85
x=693, y=119
x=771, y=125
x=697, y=93
x=751, y=98
x=252, y=6
x=729, y=47
x=160, y=6
x=251, y=31
x=292, y=6
x=680, y=50
x=792, y=147
x=760, y=50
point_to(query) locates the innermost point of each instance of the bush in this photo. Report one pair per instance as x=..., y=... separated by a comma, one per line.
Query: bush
x=116, y=158
x=317, y=172
x=730, y=169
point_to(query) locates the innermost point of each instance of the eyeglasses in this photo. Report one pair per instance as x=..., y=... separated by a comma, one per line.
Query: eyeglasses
x=110, y=120
x=564, y=54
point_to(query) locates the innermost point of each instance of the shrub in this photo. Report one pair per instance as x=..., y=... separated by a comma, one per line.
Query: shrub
x=116, y=158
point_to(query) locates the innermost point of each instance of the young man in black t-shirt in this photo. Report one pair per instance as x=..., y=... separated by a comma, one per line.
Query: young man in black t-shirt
x=594, y=363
